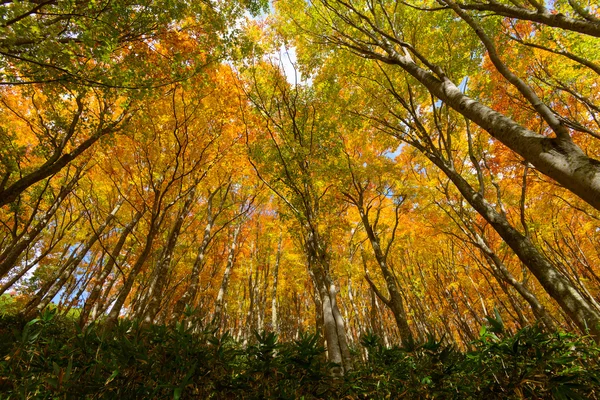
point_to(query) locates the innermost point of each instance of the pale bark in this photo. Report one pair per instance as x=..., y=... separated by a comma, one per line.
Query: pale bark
x=333, y=324
x=559, y=158
x=556, y=285
x=541, y=16
x=107, y=269
x=164, y=263
x=45, y=295
x=219, y=302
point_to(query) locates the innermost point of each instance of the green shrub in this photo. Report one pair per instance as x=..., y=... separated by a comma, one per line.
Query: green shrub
x=50, y=357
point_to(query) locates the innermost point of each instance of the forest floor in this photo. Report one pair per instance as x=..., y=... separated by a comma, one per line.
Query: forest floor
x=50, y=357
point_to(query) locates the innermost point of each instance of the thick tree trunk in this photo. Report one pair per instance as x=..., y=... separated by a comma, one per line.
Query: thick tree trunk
x=542, y=16
x=333, y=324
x=556, y=285
x=559, y=158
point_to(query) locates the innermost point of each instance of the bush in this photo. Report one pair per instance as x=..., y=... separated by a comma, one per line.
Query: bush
x=51, y=357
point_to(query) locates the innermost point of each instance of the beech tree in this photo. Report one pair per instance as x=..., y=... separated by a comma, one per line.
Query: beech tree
x=442, y=149
x=383, y=32
x=297, y=139
x=369, y=198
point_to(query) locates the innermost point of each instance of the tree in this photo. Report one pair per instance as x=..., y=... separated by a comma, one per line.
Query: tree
x=412, y=129
x=294, y=139
x=373, y=30
x=111, y=44
x=48, y=129
x=370, y=199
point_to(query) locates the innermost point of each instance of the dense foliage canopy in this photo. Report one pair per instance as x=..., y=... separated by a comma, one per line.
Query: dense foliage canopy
x=390, y=175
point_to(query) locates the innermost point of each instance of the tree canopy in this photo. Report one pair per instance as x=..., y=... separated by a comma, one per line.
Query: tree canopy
x=407, y=170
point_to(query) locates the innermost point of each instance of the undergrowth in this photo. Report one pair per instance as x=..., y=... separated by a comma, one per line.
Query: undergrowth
x=50, y=357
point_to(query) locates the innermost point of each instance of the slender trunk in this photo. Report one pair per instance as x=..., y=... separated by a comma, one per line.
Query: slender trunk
x=252, y=298
x=104, y=302
x=9, y=258
x=219, y=302
x=340, y=327
x=164, y=264
x=81, y=287
x=274, y=322
x=334, y=351
x=42, y=299
x=503, y=273
x=128, y=281
x=395, y=301
x=107, y=269
x=190, y=294
x=28, y=266
x=358, y=318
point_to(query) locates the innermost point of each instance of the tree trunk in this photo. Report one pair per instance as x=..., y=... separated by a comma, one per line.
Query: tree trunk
x=9, y=258
x=395, y=301
x=558, y=158
x=43, y=298
x=219, y=302
x=556, y=285
x=333, y=324
x=107, y=269
x=164, y=263
x=274, y=322
x=128, y=280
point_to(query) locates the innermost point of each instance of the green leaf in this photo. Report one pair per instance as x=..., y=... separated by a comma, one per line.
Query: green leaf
x=112, y=376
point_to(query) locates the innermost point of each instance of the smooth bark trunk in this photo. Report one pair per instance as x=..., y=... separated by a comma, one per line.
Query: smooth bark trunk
x=43, y=298
x=219, y=302
x=106, y=270
x=164, y=264
x=556, y=285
